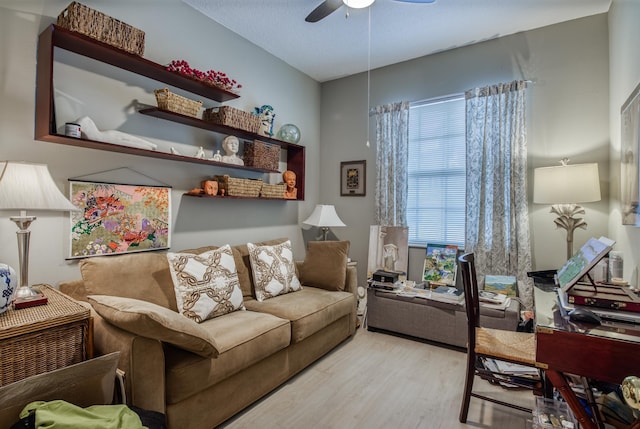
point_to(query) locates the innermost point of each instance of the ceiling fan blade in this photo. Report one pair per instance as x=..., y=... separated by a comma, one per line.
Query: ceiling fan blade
x=326, y=8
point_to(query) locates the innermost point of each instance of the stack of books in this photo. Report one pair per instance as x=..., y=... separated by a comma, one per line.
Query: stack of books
x=448, y=294
x=494, y=300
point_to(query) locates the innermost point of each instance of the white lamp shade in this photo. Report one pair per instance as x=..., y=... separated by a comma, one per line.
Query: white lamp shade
x=26, y=186
x=566, y=184
x=358, y=4
x=324, y=216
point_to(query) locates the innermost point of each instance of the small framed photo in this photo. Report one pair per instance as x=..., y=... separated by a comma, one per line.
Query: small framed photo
x=353, y=178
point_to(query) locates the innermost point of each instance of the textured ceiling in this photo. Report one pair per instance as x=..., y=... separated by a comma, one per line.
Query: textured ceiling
x=337, y=46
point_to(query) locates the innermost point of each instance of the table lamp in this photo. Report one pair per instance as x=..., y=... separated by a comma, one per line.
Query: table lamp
x=324, y=217
x=564, y=186
x=26, y=186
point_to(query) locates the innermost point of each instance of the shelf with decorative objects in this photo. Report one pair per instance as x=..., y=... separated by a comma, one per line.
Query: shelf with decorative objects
x=55, y=36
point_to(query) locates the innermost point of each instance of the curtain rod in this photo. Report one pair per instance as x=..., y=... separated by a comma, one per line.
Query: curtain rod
x=451, y=96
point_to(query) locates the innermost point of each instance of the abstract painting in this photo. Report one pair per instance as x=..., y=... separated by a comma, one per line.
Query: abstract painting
x=118, y=219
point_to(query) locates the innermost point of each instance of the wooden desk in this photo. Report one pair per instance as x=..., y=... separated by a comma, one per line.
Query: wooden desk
x=605, y=353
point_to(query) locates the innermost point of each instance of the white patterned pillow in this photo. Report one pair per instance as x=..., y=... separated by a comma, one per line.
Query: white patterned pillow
x=274, y=271
x=206, y=285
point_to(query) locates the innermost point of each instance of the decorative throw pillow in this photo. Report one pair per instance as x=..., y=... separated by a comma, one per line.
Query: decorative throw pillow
x=206, y=285
x=274, y=271
x=153, y=321
x=325, y=265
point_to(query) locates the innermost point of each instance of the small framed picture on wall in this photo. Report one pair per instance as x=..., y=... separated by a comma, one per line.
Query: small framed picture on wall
x=353, y=178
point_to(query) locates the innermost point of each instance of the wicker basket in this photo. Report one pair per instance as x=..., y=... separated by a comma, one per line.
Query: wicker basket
x=82, y=19
x=236, y=187
x=273, y=191
x=232, y=117
x=261, y=155
x=167, y=100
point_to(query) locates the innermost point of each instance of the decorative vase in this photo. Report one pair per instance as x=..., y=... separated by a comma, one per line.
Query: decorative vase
x=289, y=133
x=8, y=283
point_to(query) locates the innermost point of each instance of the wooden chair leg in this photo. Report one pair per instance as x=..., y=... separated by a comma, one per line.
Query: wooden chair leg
x=468, y=385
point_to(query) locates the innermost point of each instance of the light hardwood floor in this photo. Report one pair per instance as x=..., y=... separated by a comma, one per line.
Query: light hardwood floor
x=376, y=380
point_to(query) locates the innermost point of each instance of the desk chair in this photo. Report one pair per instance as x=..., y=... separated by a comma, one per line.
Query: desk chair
x=508, y=346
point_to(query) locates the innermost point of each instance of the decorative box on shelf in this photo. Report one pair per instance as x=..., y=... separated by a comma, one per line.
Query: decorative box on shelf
x=273, y=190
x=261, y=155
x=82, y=19
x=232, y=117
x=172, y=102
x=39, y=339
x=236, y=187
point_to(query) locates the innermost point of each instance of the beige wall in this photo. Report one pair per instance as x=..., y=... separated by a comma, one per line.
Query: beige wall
x=624, y=66
x=173, y=31
x=568, y=116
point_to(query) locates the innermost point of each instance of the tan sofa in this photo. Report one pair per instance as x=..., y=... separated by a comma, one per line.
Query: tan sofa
x=201, y=374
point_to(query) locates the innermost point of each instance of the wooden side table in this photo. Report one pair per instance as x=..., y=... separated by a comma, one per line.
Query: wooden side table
x=40, y=339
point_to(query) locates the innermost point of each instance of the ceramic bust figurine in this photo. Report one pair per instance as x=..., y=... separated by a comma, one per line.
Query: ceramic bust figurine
x=289, y=178
x=230, y=144
x=210, y=187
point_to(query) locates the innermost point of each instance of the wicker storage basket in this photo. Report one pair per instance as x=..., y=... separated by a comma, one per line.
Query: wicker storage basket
x=39, y=339
x=97, y=25
x=232, y=117
x=261, y=155
x=236, y=187
x=273, y=191
x=167, y=100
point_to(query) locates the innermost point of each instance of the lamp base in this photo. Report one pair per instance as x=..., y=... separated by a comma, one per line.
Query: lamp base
x=30, y=301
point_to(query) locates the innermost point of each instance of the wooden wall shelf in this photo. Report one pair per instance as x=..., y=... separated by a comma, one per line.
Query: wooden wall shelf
x=45, y=126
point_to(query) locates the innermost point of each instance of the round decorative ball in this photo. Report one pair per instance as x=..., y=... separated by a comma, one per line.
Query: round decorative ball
x=289, y=133
x=8, y=284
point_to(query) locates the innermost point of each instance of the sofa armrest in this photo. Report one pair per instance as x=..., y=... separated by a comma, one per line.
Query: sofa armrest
x=142, y=360
x=351, y=281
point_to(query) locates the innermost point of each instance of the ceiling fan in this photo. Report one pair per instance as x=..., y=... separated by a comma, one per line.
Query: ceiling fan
x=327, y=7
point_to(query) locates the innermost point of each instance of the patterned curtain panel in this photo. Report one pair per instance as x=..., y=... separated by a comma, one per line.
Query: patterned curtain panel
x=497, y=219
x=392, y=139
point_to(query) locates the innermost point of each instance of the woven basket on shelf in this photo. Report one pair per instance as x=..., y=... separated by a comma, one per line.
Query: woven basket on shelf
x=261, y=155
x=82, y=19
x=273, y=190
x=236, y=187
x=167, y=100
x=232, y=117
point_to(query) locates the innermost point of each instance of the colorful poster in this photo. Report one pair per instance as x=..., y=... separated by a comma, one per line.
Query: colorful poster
x=117, y=219
x=440, y=264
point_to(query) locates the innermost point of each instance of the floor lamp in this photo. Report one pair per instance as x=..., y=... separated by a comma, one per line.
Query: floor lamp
x=324, y=217
x=565, y=186
x=25, y=186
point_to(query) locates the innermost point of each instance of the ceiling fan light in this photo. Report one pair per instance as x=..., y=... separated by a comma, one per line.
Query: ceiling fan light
x=358, y=4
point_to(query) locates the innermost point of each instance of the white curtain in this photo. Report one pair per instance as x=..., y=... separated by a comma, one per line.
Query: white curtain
x=392, y=140
x=497, y=219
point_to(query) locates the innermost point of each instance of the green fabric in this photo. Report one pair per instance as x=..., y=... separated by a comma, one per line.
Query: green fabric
x=63, y=415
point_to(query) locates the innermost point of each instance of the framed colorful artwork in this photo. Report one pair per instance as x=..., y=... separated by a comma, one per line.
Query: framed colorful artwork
x=118, y=219
x=353, y=178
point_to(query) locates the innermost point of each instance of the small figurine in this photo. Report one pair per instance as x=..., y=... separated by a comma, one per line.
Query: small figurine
x=200, y=153
x=289, y=177
x=217, y=157
x=231, y=144
x=267, y=115
x=210, y=187
x=175, y=151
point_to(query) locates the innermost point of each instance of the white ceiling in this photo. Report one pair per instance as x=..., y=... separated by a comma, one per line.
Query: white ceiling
x=337, y=46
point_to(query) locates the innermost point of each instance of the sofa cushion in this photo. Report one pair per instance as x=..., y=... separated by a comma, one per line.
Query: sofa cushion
x=206, y=284
x=143, y=276
x=309, y=310
x=243, y=339
x=273, y=268
x=153, y=321
x=243, y=264
x=325, y=265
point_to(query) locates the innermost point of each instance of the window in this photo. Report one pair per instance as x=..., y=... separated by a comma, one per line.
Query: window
x=436, y=170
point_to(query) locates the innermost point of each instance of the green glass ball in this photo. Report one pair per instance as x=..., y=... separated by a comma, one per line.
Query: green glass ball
x=289, y=133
